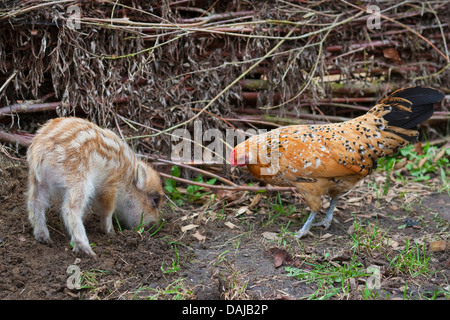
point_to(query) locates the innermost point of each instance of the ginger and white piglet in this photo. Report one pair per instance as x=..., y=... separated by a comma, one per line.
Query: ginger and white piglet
x=81, y=162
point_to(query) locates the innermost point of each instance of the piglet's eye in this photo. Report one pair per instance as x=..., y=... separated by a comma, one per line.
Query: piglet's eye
x=154, y=199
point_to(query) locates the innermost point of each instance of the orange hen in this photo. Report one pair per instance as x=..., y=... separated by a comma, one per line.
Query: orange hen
x=330, y=159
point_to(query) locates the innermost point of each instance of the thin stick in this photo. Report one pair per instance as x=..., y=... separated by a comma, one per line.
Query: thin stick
x=230, y=188
x=8, y=81
x=191, y=168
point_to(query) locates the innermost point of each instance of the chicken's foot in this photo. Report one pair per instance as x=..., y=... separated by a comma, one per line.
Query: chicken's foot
x=305, y=229
x=327, y=221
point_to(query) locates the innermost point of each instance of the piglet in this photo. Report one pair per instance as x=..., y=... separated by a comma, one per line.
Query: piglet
x=84, y=164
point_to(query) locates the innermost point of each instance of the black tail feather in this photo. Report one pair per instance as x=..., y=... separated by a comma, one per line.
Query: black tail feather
x=411, y=106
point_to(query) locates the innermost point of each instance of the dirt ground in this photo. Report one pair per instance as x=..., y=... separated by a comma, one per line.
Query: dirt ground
x=221, y=252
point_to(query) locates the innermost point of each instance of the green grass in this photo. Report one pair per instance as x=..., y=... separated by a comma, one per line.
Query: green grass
x=152, y=230
x=412, y=260
x=176, y=290
x=90, y=278
x=175, y=266
x=419, y=166
x=330, y=277
x=337, y=279
x=193, y=192
x=278, y=208
x=371, y=239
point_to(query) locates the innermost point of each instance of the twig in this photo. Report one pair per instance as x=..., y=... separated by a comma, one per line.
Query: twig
x=8, y=81
x=216, y=17
x=15, y=13
x=154, y=158
x=230, y=188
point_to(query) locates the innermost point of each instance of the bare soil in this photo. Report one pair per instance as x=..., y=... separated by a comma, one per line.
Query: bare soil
x=227, y=253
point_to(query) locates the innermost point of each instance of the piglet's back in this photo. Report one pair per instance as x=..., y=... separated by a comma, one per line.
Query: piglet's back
x=75, y=147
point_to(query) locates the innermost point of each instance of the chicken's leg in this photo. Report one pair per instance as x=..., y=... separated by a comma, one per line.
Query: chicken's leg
x=327, y=221
x=304, y=230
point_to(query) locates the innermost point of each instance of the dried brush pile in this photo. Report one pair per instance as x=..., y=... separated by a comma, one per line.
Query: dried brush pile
x=151, y=66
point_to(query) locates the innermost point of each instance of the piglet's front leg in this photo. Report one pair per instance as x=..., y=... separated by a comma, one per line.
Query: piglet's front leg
x=105, y=206
x=73, y=208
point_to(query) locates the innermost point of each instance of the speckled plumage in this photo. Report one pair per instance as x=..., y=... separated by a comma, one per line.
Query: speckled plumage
x=330, y=159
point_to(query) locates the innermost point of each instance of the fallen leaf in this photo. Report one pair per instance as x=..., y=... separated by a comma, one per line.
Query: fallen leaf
x=392, y=54
x=326, y=236
x=270, y=235
x=351, y=229
x=241, y=210
x=418, y=148
x=422, y=162
x=441, y=152
x=392, y=243
x=281, y=256
x=226, y=194
x=255, y=201
x=189, y=227
x=230, y=225
x=439, y=245
x=340, y=256
x=400, y=164
x=199, y=237
x=354, y=199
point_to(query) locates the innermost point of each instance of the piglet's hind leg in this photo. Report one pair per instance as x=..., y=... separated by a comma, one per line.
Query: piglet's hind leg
x=38, y=202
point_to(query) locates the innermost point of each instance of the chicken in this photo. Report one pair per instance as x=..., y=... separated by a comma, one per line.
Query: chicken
x=320, y=160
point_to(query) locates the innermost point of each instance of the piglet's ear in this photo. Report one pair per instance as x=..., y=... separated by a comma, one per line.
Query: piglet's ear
x=140, y=176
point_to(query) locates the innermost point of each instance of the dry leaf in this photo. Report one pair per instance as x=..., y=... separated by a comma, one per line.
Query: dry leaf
x=230, y=225
x=422, y=162
x=394, y=244
x=189, y=227
x=400, y=164
x=440, y=245
x=441, y=152
x=326, y=236
x=392, y=54
x=351, y=229
x=226, y=194
x=354, y=199
x=199, y=237
x=255, y=201
x=270, y=235
x=241, y=210
x=281, y=256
